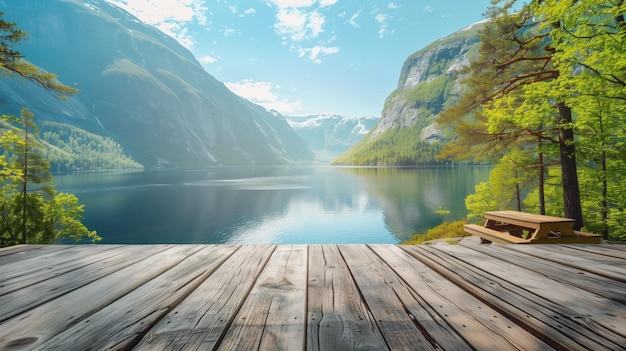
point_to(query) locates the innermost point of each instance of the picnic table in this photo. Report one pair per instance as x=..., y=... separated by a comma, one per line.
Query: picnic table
x=514, y=227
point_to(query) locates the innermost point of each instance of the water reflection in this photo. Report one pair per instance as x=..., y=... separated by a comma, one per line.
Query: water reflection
x=270, y=204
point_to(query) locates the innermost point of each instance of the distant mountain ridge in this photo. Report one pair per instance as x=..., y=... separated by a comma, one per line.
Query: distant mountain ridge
x=141, y=88
x=329, y=134
x=429, y=82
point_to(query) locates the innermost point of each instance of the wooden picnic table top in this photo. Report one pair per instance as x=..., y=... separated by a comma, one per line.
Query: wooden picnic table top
x=506, y=216
x=313, y=297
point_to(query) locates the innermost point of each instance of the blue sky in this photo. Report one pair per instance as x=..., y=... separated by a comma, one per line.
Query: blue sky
x=308, y=56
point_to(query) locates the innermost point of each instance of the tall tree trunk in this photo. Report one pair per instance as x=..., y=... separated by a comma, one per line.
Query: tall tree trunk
x=25, y=185
x=569, y=175
x=518, y=194
x=605, y=201
x=542, y=197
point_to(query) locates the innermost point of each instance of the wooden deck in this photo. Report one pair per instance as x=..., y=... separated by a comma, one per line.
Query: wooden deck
x=313, y=297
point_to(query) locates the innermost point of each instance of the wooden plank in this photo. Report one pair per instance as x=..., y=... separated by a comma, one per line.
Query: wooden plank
x=49, y=264
x=544, y=251
x=51, y=259
x=24, y=294
x=586, y=252
x=572, y=251
x=594, y=283
x=491, y=235
x=201, y=320
x=524, y=309
x=338, y=318
x=567, y=300
x=403, y=321
x=7, y=250
x=21, y=252
x=483, y=327
x=604, y=250
x=620, y=246
x=121, y=324
x=31, y=329
x=273, y=317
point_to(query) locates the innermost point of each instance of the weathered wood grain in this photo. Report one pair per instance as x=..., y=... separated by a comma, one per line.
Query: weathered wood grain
x=483, y=327
x=45, y=321
x=609, y=250
x=314, y=297
x=561, y=331
x=338, y=318
x=572, y=260
x=37, y=268
x=54, y=280
x=201, y=320
x=571, y=302
x=121, y=324
x=573, y=251
x=273, y=317
x=16, y=253
x=599, y=285
x=404, y=323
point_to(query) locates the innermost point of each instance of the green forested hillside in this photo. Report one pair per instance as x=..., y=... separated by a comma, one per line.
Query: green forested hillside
x=73, y=149
x=395, y=147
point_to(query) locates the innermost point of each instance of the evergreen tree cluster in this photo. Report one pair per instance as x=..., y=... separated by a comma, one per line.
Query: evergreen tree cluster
x=395, y=147
x=73, y=149
x=31, y=211
x=546, y=106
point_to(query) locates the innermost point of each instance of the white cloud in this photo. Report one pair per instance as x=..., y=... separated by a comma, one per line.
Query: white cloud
x=249, y=12
x=429, y=9
x=170, y=16
x=264, y=94
x=382, y=18
x=352, y=20
x=313, y=53
x=316, y=22
x=300, y=21
x=207, y=59
x=298, y=24
x=393, y=6
x=281, y=4
x=229, y=31
x=324, y=3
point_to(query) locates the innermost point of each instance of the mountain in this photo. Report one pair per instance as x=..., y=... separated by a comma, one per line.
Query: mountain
x=329, y=135
x=429, y=82
x=140, y=88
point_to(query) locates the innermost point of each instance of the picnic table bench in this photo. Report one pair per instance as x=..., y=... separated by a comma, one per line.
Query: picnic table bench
x=514, y=227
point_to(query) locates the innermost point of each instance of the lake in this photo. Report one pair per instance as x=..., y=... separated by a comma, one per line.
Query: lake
x=278, y=205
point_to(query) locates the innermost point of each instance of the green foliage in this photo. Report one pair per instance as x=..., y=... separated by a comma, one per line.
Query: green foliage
x=432, y=93
x=13, y=64
x=442, y=231
x=548, y=89
x=73, y=149
x=395, y=147
x=31, y=211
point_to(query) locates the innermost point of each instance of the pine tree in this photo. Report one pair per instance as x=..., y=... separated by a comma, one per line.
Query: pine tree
x=512, y=101
x=31, y=210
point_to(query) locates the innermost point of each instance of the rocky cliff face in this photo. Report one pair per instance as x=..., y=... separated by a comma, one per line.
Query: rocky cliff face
x=329, y=135
x=429, y=81
x=141, y=88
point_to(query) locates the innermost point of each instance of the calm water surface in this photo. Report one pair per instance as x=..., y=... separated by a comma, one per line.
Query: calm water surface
x=278, y=205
